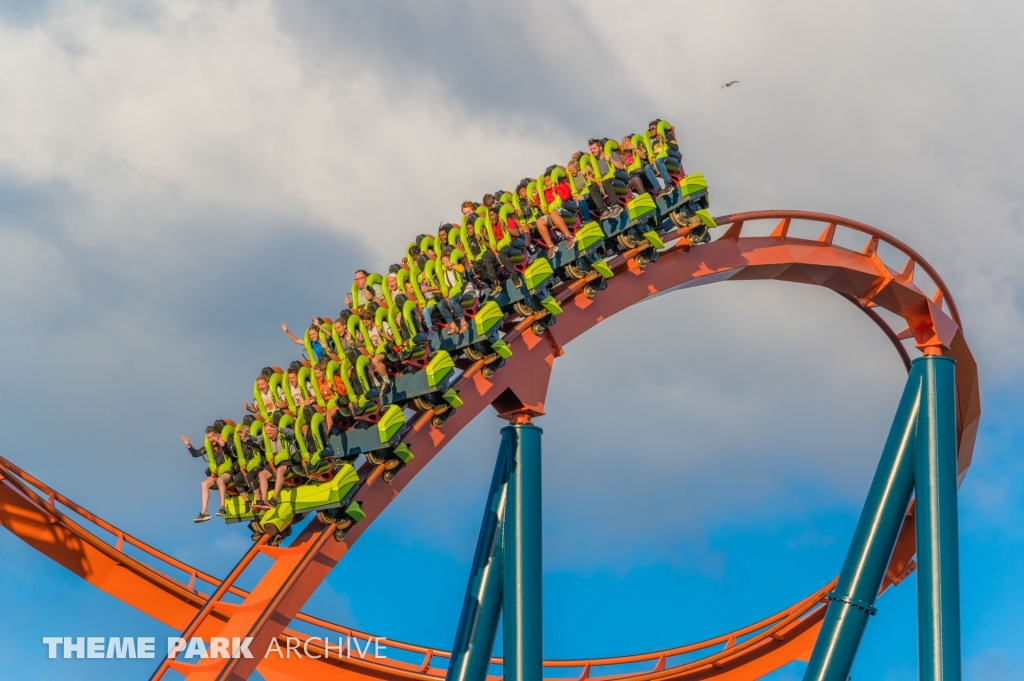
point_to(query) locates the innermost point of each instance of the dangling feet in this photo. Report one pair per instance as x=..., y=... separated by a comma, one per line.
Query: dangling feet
x=612, y=212
x=202, y=517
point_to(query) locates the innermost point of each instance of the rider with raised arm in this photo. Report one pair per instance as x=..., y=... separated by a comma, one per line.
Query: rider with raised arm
x=319, y=348
x=218, y=472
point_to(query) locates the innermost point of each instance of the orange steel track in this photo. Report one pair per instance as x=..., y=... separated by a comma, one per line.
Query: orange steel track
x=169, y=592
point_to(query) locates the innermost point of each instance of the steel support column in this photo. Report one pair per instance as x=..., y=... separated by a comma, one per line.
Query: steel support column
x=481, y=608
x=872, y=545
x=938, y=570
x=523, y=633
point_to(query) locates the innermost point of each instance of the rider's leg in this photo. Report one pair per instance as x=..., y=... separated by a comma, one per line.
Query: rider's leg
x=207, y=483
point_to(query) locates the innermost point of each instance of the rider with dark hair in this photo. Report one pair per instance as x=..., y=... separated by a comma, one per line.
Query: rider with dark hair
x=500, y=233
x=663, y=146
x=455, y=288
x=250, y=462
x=281, y=454
x=218, y=461
x=365, y=294
x=605, y=163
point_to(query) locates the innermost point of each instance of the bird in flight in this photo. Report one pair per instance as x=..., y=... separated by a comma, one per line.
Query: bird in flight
x=730, y=84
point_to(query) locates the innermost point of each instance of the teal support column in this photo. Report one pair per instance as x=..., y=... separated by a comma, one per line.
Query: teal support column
x=938, y=569
x=853, y=601
x=481, y=608
x=523, y=631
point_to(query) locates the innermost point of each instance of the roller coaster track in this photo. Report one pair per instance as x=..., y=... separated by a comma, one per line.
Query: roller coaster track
x=169, y=590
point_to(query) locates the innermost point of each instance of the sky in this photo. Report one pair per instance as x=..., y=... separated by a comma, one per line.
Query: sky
x=179, y=177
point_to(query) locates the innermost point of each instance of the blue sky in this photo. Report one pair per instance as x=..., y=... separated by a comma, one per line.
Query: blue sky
x=177, y=177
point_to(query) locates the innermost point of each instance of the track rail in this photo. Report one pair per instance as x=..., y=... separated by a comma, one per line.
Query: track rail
x=30, y=509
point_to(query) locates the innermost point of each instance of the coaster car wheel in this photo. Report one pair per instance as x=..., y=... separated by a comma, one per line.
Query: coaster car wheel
x=489, y=370
x=590, y=290
x=538, y=327
x=257, y=530
x=438, y=419
x=373, y=458
x=627, y=241
x=575, y=271
x=389, y=476
x=279, y=537
x=326, y=517
x=699, y=236
x=422, y=404
x=523, y=308
x=472, y=353
x=642, y=261
x=678, y=218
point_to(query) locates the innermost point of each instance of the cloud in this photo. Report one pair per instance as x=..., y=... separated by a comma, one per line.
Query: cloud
x=537, y=66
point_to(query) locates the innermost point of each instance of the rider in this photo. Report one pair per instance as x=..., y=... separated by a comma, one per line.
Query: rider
x=281, y=454
x=328, y=389
x=298, y=397
x=605, y=163
x=310, y=440
x=500, y=233
x=220, y=462
x=380, y=338
x=663, y=145
x=552, y=191
x=271, y=400
x=250, y=462
x=454, y=289
x=365, y=294
x=635, y=162
x=532, y=216
x=318, y=348
x=588, y=201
